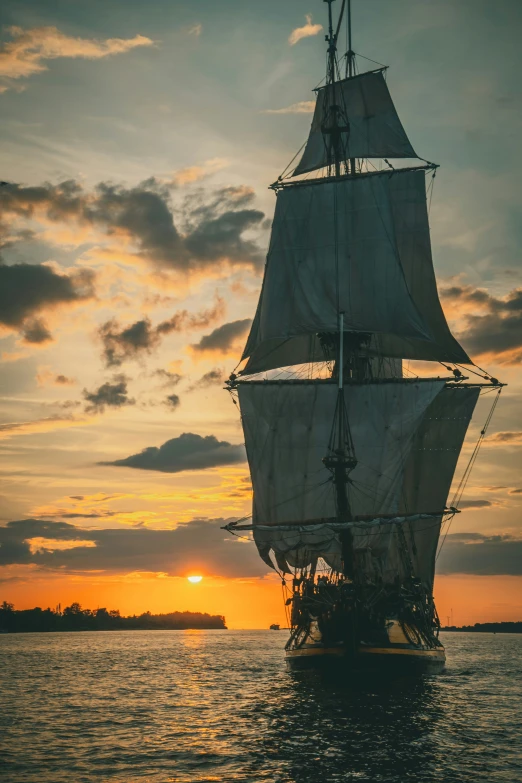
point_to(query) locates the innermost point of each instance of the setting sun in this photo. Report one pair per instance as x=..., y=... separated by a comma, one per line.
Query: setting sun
x=194, y=579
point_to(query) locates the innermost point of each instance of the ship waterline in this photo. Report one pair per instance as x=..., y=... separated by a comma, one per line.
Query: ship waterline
x=352, y=462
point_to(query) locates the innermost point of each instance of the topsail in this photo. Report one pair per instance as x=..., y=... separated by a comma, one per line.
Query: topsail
x=370, y=126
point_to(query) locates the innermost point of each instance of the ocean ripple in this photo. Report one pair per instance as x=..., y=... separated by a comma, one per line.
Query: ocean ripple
x=205, y=706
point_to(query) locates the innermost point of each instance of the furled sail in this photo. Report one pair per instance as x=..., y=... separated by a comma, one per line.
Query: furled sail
x=409, y=437
x=357, y=245
x=371, y=126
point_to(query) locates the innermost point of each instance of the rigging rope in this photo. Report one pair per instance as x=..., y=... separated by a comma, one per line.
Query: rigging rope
x=431, y=187
x=301, y=148
x=358, y=54
x=465, y=476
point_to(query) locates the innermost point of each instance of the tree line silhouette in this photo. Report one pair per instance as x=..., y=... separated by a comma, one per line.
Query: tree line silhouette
x=505, y=627
x=75, y=618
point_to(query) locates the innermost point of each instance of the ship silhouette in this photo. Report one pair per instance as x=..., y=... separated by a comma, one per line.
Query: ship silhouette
x=351, y=456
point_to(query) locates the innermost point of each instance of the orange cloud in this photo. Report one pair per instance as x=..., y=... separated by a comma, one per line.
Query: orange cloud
x=47, y=377
x=39, y=544
x=506, y=438
x=47, y=424
x=192, y=174
x=26, y=53
x=306, y=31
x=303, y=107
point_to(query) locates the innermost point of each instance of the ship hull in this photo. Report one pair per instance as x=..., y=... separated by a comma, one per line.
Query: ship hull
x=401, y=660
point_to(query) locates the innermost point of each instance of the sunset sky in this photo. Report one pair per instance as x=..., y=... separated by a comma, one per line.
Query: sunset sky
x=137, y=143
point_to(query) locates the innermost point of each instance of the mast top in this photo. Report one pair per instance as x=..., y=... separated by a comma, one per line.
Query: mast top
x=350, y=54
x=332, y=38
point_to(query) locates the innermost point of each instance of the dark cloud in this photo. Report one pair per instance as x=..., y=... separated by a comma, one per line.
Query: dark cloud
x=63, y=380
x=200, y=544
x=215, y=228
x=202, y=205
x=474, y=553
x=172, y=402
x=59, y=202
x=497, y=330
x=222, y=236
x=94, y=498
x=223, y=338
x=475, y=503
x=186, y=452
x=515, y=491
x=46, y=377
x=214, y=223
x=34, y=330
x=112, y=395
x=28, y=289
x=168, y=378
x=211, y=378
x=129, y=342
x=183, y=320
x=66, y=404
x=142, y=212
x=140, y=338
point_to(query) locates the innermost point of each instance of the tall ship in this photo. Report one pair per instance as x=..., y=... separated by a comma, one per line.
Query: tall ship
x=352, y=454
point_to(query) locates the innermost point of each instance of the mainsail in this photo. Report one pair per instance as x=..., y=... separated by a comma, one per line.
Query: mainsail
x=359, y=245
x=407, y=437
x=287, y=427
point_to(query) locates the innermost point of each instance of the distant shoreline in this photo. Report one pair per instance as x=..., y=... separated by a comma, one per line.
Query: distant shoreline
x=75, y=618
x=113, y=630
x=508, y=627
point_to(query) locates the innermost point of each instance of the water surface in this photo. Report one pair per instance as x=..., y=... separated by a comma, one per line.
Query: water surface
x=198, y=706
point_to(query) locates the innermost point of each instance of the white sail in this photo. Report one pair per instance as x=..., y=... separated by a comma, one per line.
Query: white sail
x=333, y=249
x=404, y=546
x=430, y=468
x=379, y=272
x=287, y=427
x=366, y=109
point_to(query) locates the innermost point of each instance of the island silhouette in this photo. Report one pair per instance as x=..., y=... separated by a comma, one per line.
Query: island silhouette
x=503, y=627
x=75, y=618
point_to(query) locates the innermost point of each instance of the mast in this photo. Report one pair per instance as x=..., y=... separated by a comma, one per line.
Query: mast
x=340, y=459
x=350, y=54
x=342, y=462
x=350, y=60
x=332, y=128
